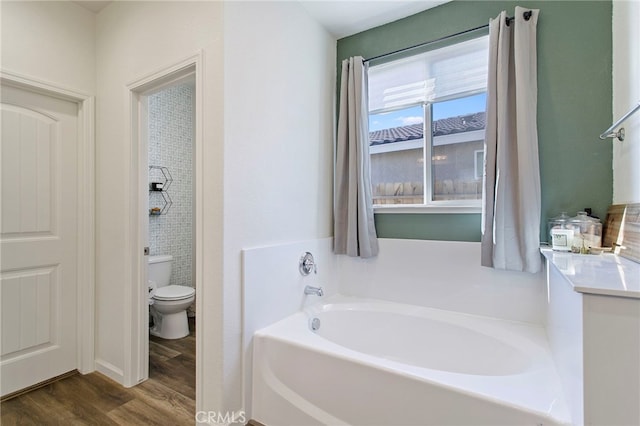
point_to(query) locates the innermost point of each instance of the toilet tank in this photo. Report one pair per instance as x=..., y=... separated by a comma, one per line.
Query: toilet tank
x=160, y=269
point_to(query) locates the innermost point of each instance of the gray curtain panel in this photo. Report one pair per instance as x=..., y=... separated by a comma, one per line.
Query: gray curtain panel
x=511, y=196
x=354, y=229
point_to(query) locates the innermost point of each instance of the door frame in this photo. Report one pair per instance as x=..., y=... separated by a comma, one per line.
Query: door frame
x=85, y=312
x=136, y=338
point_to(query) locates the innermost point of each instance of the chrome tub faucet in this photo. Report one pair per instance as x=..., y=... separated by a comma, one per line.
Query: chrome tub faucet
x=313, y=290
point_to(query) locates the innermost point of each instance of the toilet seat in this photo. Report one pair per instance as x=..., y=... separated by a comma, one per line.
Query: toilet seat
x=174, y=292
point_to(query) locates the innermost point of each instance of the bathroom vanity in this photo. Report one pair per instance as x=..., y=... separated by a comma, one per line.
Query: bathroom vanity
x=593, y=326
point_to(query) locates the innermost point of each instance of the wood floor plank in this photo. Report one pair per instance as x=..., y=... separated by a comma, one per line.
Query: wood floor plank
x=177, y=373
x=136, y=412
x=17, y=411
x=64, y=406
x=157, y=395
x=185, y=346
x=162, y=352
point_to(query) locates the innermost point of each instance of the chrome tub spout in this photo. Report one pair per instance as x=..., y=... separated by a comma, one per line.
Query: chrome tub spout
x=313, y=290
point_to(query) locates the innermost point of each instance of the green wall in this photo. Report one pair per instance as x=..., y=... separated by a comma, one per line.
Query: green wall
x=574, y=104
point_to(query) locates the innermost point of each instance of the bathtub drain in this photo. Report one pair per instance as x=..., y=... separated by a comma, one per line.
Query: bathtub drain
x=315, y=324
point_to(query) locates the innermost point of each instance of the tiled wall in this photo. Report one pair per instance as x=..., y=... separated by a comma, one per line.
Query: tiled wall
x=171, y=146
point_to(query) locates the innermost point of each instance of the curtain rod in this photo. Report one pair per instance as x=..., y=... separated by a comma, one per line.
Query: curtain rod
x=526, y=15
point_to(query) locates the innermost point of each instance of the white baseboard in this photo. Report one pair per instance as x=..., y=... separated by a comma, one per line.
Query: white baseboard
x=110, y=370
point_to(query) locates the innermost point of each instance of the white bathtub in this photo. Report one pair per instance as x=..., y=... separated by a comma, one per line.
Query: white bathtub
x=382, y=363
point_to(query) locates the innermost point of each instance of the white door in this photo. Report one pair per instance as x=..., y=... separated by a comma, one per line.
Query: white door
x=38, y=238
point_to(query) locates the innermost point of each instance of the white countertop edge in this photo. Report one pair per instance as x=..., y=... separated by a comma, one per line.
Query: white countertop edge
x=594, y=288
x=630, y=294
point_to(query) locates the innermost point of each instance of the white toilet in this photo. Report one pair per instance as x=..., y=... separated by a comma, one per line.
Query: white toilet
x=170, y=302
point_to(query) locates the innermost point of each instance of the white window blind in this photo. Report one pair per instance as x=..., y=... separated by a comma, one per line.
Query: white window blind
x=430, y=76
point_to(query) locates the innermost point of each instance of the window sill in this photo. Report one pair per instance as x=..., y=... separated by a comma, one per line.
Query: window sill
x=427, y=209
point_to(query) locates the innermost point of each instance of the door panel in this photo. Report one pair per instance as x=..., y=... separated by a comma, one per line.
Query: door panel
x=38, y=238
x=26, y=296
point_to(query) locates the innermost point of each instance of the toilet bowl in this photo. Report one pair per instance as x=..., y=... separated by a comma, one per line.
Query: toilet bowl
x=170, y=302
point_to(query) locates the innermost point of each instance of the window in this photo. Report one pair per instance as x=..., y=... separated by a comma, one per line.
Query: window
x=479, y=154
x=442, y=90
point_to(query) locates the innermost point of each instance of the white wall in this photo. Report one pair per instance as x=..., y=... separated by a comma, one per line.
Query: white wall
x=51, y=42
x=444, y=275
x=626, y=93
x=136, y=39
x=279, y=90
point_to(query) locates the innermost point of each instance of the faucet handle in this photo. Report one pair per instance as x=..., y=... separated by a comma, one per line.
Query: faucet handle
x=307, y=264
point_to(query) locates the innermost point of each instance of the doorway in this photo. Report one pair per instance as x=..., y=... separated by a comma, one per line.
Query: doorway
x=161, y=208
x=170, y=134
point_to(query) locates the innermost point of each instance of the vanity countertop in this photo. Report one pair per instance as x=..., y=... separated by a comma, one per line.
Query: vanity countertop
x=604, y=274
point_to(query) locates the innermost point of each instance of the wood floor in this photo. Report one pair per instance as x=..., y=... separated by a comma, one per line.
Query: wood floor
x=166, y=398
